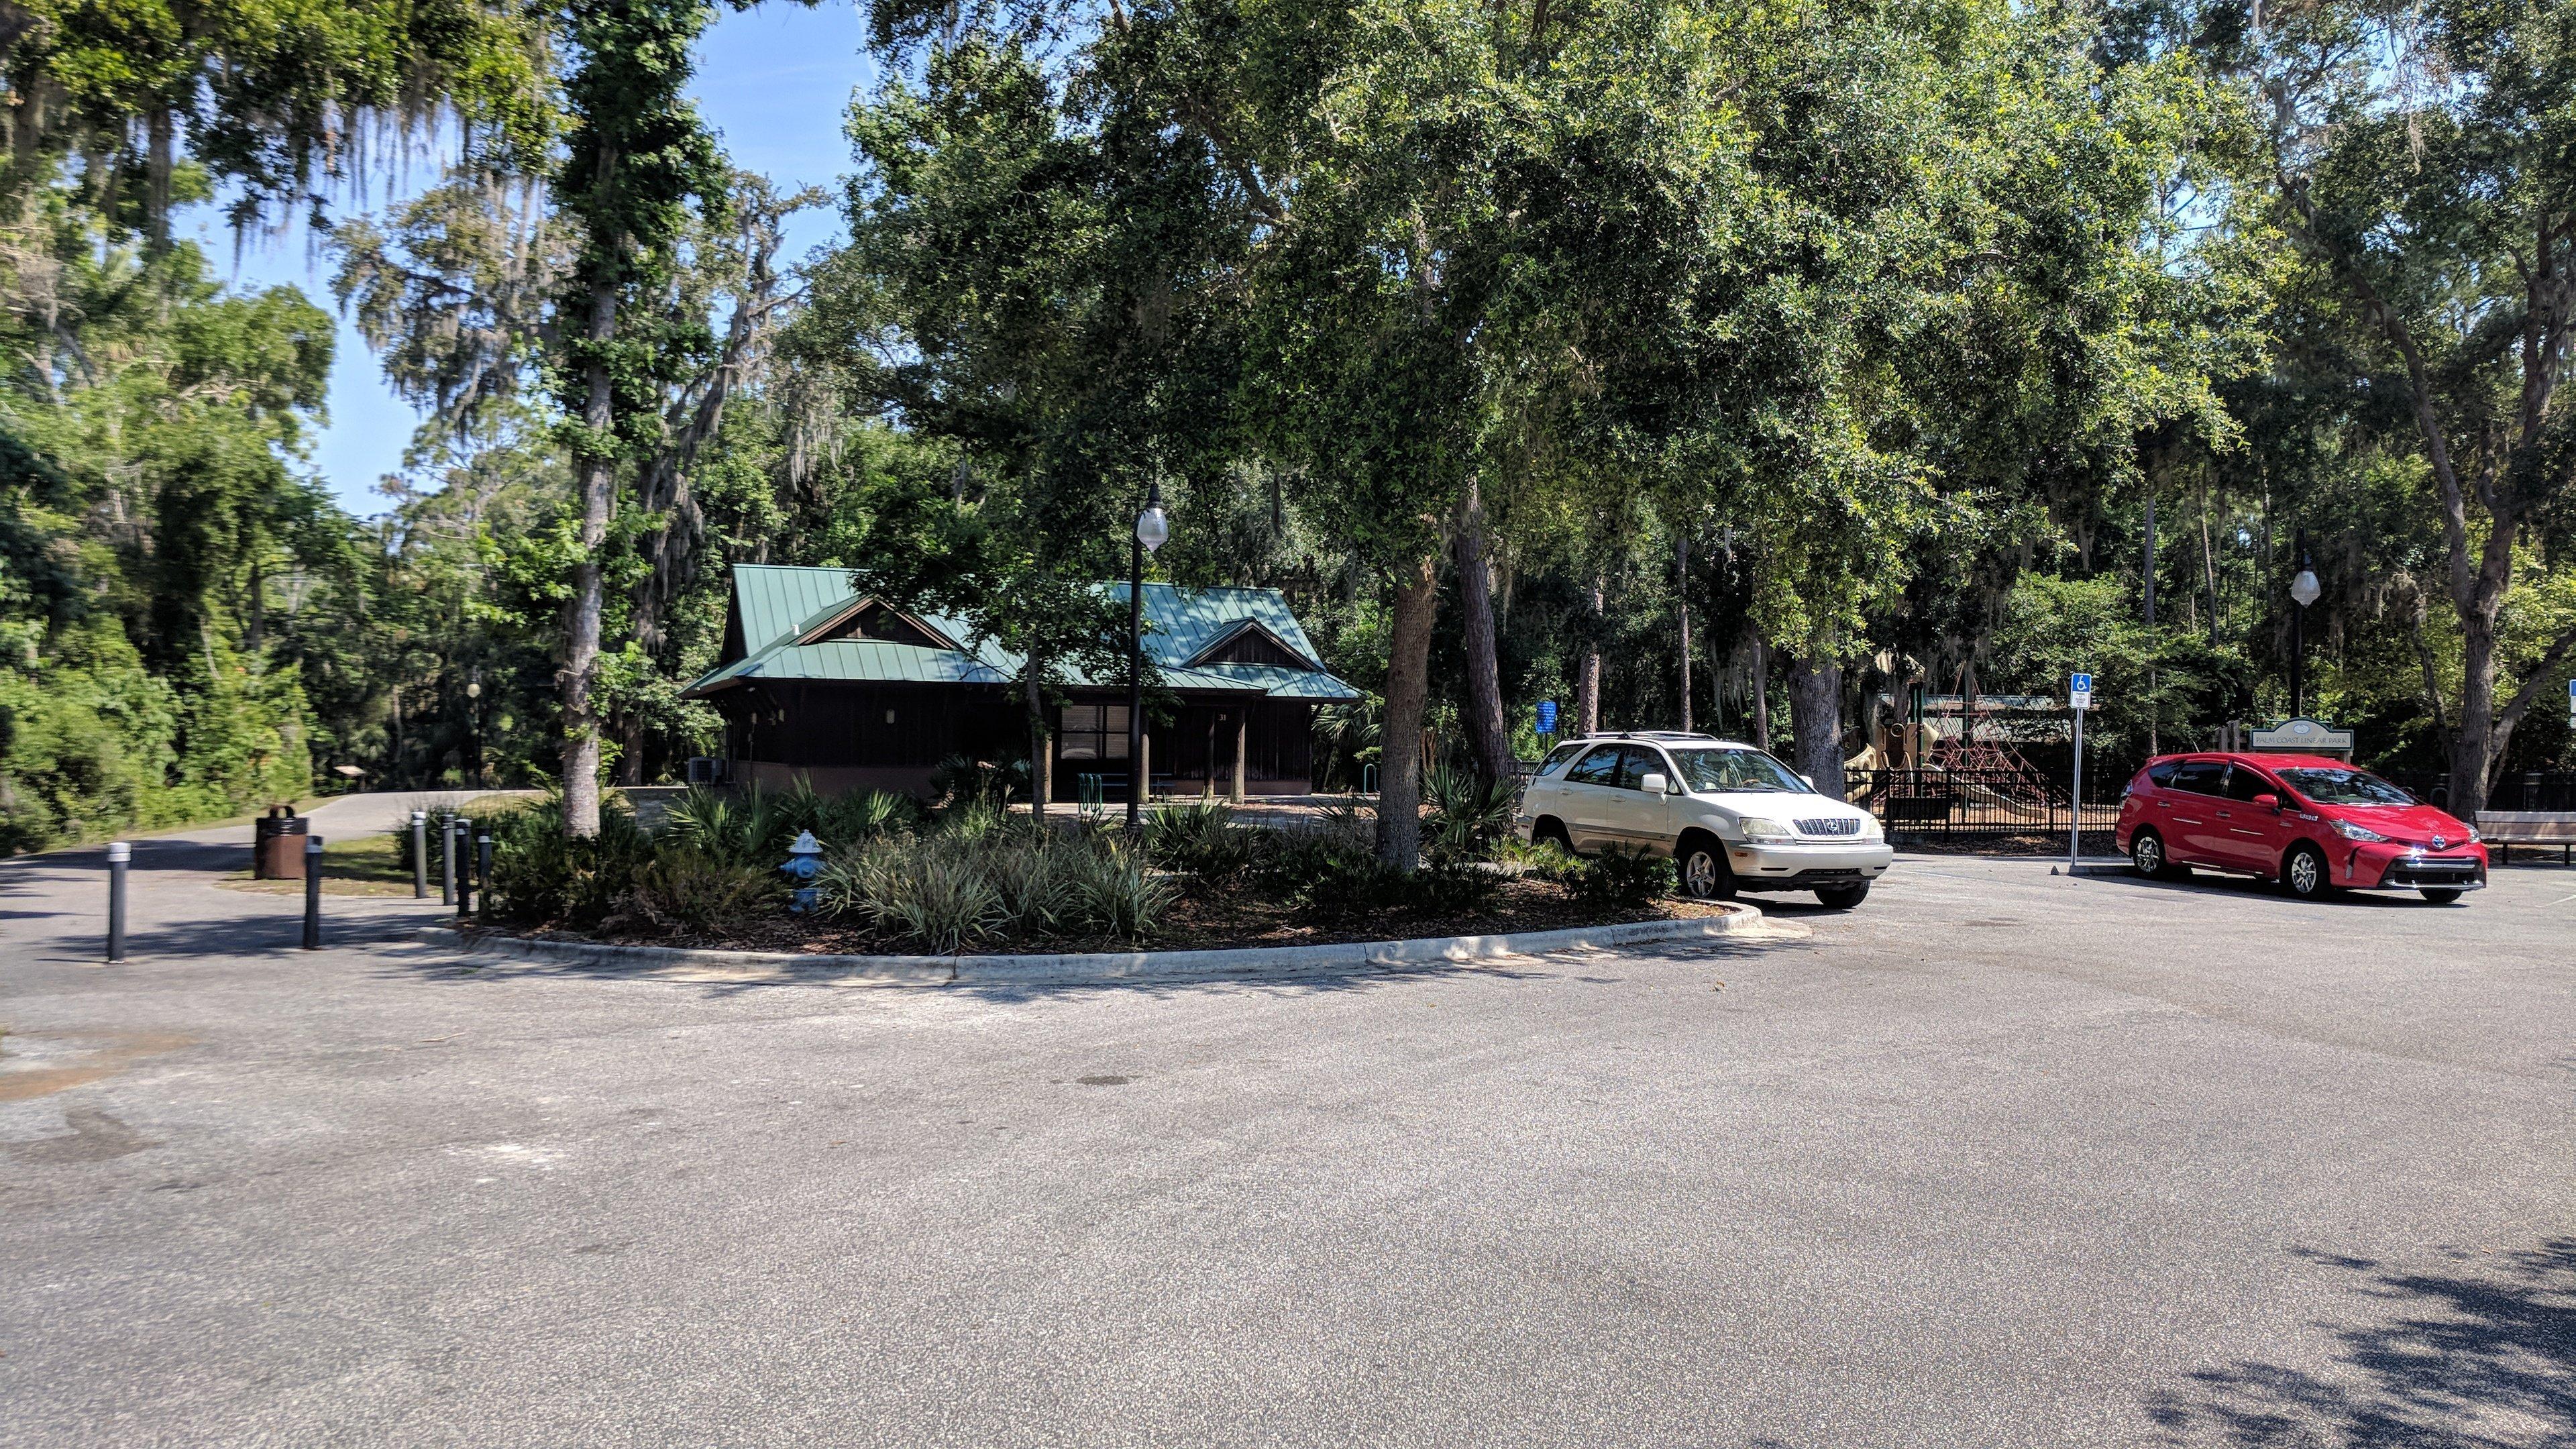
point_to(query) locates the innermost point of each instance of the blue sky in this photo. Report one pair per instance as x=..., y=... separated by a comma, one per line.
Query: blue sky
x=772, y=81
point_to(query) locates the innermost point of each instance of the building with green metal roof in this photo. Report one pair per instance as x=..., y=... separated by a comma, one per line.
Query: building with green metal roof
x=847, y=691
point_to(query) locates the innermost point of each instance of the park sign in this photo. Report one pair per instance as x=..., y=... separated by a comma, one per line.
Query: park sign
x=2304, y=737
x=2079, y=692
x=1547, y=716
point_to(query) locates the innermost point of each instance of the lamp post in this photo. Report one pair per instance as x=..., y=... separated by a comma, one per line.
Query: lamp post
x=2303, y=592
x=1151, y=529
x=474, y=721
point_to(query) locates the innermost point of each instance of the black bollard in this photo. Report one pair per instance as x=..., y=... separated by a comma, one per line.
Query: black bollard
x=118, y=854
x=465, y=881
x=447, y=860
x=420, y=855
x=483, y=867
x=313, y=893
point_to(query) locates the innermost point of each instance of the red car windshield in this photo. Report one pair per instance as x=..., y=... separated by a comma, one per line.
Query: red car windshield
x=2344, y=787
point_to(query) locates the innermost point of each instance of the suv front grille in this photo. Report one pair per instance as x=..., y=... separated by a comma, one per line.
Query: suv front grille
x=1828, y=827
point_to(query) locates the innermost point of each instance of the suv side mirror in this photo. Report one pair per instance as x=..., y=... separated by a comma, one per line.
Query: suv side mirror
x=1655, y=784
x=2267, y=801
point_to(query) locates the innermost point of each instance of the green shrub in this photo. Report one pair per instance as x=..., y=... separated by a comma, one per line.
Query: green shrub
x=1201, y=841
x=957, y=779
x=743, y=829
x=949, y=889
x=940, y=900
x=1036, y=882
x=1336, y=873
x=1469, y=813
x=1614, y=879
x=1118, y=896
x=972, y=817
x=753, y=827
x=539, y=875
x=683, y=887
x=862, y=814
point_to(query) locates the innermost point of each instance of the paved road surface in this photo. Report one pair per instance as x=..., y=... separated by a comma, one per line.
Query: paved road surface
x=2000, y=1159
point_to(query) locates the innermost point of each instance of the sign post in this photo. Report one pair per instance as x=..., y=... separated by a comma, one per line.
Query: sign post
x=2571, y=704
x=2079, y=698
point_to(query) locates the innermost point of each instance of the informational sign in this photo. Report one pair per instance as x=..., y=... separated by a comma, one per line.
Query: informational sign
x=2571, y=704
x=1547, y=716
x=2079, y=691
x=2302, y=737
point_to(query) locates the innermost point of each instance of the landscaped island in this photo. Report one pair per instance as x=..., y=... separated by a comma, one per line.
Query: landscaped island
x=973, y=876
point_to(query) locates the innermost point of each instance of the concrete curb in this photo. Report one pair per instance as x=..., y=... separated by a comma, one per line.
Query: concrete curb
x=1740, y=921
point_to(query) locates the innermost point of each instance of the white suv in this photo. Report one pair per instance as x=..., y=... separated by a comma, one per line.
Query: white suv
x=1731, y=817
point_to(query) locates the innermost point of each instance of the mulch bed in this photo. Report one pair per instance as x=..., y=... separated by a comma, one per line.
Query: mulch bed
x=1232, y=920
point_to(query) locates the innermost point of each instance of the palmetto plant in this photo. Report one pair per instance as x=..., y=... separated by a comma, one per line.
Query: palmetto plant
x=987, y=879
x=1469, y=813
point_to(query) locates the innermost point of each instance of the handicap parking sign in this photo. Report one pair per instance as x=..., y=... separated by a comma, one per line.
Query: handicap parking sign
x=2079, y=691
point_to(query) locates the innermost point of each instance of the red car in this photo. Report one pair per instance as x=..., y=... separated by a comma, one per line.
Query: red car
x=2314, y=824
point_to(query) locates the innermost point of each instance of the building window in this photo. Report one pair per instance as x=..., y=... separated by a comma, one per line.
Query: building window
x=1092, y=732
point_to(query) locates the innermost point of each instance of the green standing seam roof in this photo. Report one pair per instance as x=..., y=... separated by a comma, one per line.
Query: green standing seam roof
x=778, y=603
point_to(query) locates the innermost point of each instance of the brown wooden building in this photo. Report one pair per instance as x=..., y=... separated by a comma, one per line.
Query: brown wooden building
x=846, y=691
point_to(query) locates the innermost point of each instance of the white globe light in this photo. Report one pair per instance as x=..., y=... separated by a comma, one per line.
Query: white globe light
x=2304, y=588
x=1152, y=528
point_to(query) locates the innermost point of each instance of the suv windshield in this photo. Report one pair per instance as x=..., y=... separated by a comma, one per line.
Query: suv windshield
x=2345, y=787
x=1709, y=772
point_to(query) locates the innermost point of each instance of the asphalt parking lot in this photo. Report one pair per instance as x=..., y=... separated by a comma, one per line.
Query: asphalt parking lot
x=2000, y=1158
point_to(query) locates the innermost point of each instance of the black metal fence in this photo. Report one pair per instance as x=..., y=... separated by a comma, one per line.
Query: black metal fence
x=2024, y=811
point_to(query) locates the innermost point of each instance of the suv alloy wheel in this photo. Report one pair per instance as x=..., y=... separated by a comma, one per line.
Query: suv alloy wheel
x=1701, y=865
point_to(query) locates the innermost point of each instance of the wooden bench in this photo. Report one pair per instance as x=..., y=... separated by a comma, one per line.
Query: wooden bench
x=2505, y=829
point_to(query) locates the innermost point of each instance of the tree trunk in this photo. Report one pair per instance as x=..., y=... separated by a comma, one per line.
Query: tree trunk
x=2479, y=743
x=1487, y=734
x=1408, y=681
x=594, y=475
x=1761, y=694
x=1041, y=758
x=1816, y=717
x=1681, y=588
x=160, y=162
x=1587, y=674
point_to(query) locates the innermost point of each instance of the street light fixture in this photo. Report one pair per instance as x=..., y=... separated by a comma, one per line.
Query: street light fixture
x=2304, y=591
x=1152, y=529
x=474, y=721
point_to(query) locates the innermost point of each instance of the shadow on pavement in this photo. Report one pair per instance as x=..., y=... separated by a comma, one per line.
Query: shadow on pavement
x=433, y=960
x=2240, y=887
x=2481, y=1357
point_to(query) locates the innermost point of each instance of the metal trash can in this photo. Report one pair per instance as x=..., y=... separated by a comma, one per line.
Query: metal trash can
x=277, y=845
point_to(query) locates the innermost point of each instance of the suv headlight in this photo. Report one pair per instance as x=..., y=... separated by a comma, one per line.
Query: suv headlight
x=2350, y=831
x=1765, y=832
x=1869, y=828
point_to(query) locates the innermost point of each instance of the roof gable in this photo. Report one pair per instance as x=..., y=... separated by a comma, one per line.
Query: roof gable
x=1251, y=642
x=805, y=622
x=877, y=620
